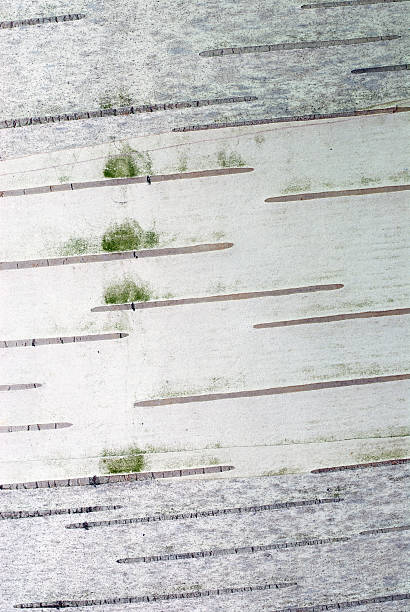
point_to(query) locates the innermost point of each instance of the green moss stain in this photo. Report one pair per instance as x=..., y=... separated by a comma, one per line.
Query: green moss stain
x=365, y=180
x=151, y=239
x=281, y=472
x=128, y=236
x=128, y=163
x=395, y=453
x=76, y=246
x=213, y=461
x=216, y=383
x=133, y=460
x=126, y=290
x=231, y=160
x=120, y=167
x=110, y=99
x=64, y=179
x=399, y=177
x=182, y=163
x=298, y=186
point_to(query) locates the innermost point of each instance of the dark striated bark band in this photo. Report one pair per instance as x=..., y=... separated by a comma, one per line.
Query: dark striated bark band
x=329, y=384
x=152, y=598
x=361, y=466
x=294, y=118
x=115, y=182
x=305, y=44
x=385, y=530
x=333, y=318
x=341, y=605
x=217, y=298
x=40, y=20
x=336, y=3
x=20, y=386
x=219, y=552
x=294, y=197
x=124, y=110
x=205, y=513
x=116, y=256
x=19, y=514
x=392, y=68
x=35, y=427
x=115, y=478
x=61, y=340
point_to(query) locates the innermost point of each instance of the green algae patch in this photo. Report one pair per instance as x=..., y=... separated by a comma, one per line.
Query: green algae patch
x=76, y=246
x=395, y=453
x=296, y=187
x=120, y=167
x=233, y=160
x=366, y=180
x=133, y=460
x=126, y=290
x=403, y=175
x=182, y=163
x=128, y=163
x=151, y=239
x=110, y=100
x=128, y=236
x=281, y=472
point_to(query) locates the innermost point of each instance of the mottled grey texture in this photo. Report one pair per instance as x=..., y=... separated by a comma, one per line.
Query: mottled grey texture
x=150, y=52
x=81, y=564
